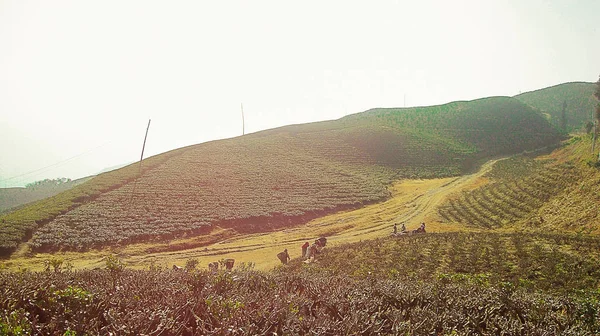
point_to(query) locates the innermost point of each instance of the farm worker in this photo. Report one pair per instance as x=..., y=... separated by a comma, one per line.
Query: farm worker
x=284, y=257
x=422, y=227
x=313, y=250
x=304, y=249
x=395, y=229
x=322, y=242
x=403, y=228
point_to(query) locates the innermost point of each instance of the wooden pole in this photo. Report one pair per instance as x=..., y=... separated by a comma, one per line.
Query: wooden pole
x=140, y=165
x=144, y=145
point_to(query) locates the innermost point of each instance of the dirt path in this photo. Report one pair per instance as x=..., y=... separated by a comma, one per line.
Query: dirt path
x=412, y=202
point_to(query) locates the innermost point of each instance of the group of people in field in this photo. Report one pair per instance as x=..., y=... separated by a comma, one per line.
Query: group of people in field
x=309, y=251
x=403, y=231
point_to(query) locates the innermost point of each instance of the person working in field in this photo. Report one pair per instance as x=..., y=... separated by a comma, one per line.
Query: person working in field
x=312, y=251
x=284, y=256
x=305, y=249
x=316, y=248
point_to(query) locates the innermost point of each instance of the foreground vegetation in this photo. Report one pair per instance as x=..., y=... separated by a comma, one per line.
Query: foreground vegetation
x=445, y=284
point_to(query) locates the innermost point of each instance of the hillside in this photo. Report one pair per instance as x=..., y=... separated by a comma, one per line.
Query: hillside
x=580, y=101
x=14, y=197
x=557, y=192
x=279, y=177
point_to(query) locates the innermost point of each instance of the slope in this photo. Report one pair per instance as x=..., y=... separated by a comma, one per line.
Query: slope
x=285, y=176
x=579, y=97
x=559, y=191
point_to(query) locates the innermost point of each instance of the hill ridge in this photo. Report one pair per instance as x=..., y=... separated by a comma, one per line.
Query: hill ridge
x=266, y=179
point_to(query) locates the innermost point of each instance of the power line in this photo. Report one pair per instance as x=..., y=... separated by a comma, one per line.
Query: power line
x=56, y=164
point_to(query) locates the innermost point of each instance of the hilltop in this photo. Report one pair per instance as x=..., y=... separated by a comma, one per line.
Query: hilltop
x=579, y=99
x=280, y=177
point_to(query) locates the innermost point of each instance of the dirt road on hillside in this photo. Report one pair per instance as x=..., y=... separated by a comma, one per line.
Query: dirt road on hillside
x=412, y=202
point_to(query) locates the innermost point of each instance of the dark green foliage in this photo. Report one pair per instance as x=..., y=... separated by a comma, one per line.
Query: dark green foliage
x=563, y=117
x=461, y=132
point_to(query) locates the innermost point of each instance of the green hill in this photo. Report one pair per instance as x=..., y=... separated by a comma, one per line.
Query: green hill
x=579, y=97
x=279, y=177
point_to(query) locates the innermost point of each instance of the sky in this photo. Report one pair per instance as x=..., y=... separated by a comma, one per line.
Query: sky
x=80, y=79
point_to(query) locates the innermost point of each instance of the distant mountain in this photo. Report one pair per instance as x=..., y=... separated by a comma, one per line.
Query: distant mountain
x=579, y=97
x=279, y=177
x=11, y=198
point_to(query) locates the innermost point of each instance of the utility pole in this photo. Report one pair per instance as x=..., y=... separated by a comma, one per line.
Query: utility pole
x=140, y=166
x=144, y=145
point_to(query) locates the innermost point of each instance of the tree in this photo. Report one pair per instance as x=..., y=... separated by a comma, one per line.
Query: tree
x=48, y=183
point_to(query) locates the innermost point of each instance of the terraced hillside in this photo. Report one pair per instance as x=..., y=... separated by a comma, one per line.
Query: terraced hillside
x=555, y=192
x=509, y=198
x=579, y=97
x=279, y=177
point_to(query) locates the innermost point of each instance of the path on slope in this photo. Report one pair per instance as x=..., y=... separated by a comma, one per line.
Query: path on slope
x=412, y=202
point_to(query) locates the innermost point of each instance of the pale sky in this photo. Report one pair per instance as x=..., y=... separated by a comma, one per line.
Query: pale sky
x=80, y=79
